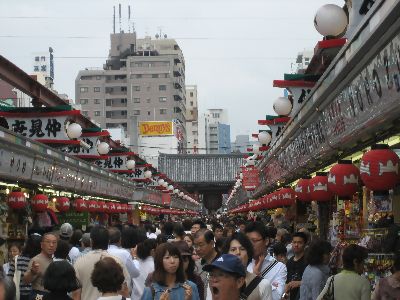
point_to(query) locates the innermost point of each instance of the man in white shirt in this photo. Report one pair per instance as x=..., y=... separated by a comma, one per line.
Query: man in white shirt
x=115, y=249
x=262, y=263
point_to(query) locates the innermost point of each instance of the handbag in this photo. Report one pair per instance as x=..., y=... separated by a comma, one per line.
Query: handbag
x=17, y=277
x=330, y=293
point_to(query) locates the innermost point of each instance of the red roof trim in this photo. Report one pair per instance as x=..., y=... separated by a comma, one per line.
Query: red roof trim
x=91, y=156
x=33, y=114
x=292, y=83
x=276, y=121
x=330, y=43
x=100, y=133
x=65, y=142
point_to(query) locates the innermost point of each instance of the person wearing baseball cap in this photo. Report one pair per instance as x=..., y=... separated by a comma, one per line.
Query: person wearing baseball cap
x=227, y=277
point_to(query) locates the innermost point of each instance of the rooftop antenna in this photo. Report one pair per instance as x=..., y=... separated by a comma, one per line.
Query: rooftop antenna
x=119, y=18
x=129, y=18
x=114, y=21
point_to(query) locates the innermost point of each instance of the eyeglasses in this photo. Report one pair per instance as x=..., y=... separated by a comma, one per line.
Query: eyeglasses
x=218, y=275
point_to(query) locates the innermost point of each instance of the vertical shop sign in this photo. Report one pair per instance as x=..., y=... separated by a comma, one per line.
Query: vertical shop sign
x=251, y=178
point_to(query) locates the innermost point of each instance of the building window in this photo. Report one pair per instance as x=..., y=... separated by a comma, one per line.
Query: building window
x=136, y=112
x=163, y=111
x=36, y=68
x=36, y=58
x=84, y=89
x=98, y=77
x=192, y=112
x=163, y=99
x=124, y=100
x=166, y=75
x=84, y=101
x=191, y=95
x=97, y=113
x=148, y=100
x=124, y=88
x=138, y=64
x=96, y=101
x=43, y=68
x=154, y=75
x=124, y=112
x=96, y=89
x=150, y=65
x=191, y=103
x=162, y=87
x=148, y=113
x=215, y=115
x=43, y=58
x=136, y=100
x=136, y=88
x=85, y=113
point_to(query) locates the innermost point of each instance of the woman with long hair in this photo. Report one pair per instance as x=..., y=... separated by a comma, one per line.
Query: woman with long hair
x=169, y=277
x=257, y=287
x=30, y=249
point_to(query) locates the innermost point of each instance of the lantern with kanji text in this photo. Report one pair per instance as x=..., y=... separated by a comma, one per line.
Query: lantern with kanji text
x=101, y=206
x=379, y=168
x=287, y=196
x=319, y=188
x=80, y=205
x=92, y=206
x=39, y=202
x=16, y=200
x=344, y=179
x=62, y=204
x=302, y=189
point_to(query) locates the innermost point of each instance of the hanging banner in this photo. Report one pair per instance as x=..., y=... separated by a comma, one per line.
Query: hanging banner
x=116, y=162
x=166, y=198
x=92, y=139
x=250, y=178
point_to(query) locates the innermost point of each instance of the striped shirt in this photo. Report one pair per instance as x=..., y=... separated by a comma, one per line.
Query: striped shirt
x=22, y=265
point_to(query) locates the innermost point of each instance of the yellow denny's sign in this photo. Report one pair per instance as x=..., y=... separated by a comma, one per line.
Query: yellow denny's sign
x=156, y=128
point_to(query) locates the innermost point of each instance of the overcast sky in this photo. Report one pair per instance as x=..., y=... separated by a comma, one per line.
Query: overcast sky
x=233, y=49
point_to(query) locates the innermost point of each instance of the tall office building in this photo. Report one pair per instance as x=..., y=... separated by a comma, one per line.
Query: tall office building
x=142, y=80
x=192, y=120
x=241, y=143
x=217, y=131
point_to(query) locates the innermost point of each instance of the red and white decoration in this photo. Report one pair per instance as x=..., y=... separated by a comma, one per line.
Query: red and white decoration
x=40, y=202
x=302, y=189
x=286, y=196
x=319, y=188
x=92, y=206
x=344, y=179
x=62, y=204
x=80, y=205
x=379, y=168
x=16, y=200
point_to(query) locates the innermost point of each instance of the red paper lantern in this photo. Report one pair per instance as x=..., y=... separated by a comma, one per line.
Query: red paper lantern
x=16, y=200
x=344, y=179
x=379, y=168
x=111, y=209
x=125, y=208
x=302, y=189
x=40, y=202
x=62, y=204
x=118, y=208
x=319, y=188
x=80, y=205
x=92, y=206
x=101, y=206
x=287, y=196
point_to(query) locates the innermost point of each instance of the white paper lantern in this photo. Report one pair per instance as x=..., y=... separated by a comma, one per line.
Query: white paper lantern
x=147, y=174
x=264, y=137
x=103, y=148
x=165, y=184
x=282, y=106
x=130, y=164
x=181, y=194
x=250, y=161
x=176, y=191
x=74, y=130
x=171, y=187
x=330, y=20
x=160, y=182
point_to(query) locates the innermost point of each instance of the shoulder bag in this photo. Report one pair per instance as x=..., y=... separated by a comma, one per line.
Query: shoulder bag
x=330, y=293
x=17, y=277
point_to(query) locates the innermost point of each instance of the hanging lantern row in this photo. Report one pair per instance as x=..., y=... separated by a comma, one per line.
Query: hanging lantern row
x=39, y=203
x=379, y=171
x=166, y=186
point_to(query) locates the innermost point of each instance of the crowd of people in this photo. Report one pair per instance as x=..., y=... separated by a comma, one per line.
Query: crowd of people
x=189, y=260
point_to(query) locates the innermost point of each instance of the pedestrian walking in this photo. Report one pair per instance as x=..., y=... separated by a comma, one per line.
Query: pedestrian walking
x=388, y=288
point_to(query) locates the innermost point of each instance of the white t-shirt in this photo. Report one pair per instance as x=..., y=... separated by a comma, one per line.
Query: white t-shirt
x=119, y=297
x=146, y=267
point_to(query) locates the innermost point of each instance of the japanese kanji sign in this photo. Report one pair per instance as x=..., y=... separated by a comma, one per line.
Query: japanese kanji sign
x=251, y=178
x=92, y=140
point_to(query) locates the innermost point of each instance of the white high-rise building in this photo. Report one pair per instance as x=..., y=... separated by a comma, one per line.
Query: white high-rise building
x=216, y=131
x=192, y=120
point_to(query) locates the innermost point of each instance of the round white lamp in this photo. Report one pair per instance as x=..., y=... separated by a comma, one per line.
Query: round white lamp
x=74, y=130
x=130, y=164
x=170, y=187
x=165, y=184
x=181, y=194
x=103, y=148
x=160, y=182
x=264, y=137
x=282, y=106
x=147, y=174
x=176, y=191
x=330, y=20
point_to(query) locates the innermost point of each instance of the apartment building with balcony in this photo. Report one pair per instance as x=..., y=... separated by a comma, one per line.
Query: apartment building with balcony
x=142, y=80
x=217, y=131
